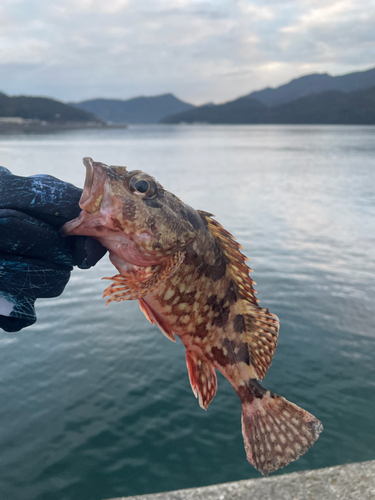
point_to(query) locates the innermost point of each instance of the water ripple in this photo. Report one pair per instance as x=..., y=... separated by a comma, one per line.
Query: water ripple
x=96, y=403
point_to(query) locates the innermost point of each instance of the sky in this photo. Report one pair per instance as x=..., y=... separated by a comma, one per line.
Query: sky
x=200, y=50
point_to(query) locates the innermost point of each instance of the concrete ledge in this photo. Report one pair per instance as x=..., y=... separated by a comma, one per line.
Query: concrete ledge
x=342, y=482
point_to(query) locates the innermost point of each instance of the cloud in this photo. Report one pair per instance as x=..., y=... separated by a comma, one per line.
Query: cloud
x=201, y=50
x=69, y=7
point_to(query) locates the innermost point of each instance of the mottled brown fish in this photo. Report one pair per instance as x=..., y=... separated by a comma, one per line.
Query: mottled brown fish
x=191, y=280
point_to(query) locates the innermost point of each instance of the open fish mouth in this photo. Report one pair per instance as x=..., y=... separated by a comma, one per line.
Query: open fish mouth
x=94, y=187
x=90, y=202
x=98, y=219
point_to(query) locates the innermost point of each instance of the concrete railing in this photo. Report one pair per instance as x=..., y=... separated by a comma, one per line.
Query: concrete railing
x=342, y=482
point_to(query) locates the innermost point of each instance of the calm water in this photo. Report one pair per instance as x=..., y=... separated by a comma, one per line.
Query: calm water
x=96, y=403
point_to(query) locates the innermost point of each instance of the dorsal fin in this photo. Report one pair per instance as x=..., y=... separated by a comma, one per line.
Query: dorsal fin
x=236, y=265
x=258, y=327
x=261, y=335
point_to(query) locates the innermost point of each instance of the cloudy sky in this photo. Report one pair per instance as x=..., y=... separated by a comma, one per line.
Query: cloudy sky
x=201, y=50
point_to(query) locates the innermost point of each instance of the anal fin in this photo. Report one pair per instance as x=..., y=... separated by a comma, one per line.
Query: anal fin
x=153, y=318
x=202, y=378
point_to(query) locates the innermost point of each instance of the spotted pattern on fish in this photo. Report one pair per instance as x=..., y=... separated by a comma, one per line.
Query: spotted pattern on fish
x=192, y=281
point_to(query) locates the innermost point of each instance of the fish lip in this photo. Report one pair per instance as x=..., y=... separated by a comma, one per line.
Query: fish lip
x=68, y=227
x=84, y=225
x=88, y=163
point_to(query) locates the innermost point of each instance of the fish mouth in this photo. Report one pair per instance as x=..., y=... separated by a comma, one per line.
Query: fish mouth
x=90, y=201
x=96, y=221
x=94, y=187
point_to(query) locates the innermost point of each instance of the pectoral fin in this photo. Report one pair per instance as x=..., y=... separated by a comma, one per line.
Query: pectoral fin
x=138, y=282
x=202, y=378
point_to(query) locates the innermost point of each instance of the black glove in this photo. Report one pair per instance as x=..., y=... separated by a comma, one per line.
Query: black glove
x=35, y=261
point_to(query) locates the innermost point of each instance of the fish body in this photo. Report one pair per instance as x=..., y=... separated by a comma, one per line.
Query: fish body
x=192, y=281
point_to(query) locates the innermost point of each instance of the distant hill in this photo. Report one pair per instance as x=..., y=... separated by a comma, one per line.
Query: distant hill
x=42, y=108
x=137, y=110
x=238, y=111
x=331, y=107
x=314, y=84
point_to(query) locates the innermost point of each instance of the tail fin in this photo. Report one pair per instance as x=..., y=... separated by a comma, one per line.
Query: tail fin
x=275, y=431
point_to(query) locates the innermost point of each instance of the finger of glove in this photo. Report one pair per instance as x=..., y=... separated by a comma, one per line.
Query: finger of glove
x=42, y=196
x=86, y=251
x=26, y=236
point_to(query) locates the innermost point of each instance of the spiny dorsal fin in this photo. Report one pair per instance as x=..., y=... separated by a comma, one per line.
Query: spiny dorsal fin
x=259, y=328
x=236, y=265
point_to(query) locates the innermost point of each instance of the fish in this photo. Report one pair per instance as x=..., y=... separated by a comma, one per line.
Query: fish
x=192, y=281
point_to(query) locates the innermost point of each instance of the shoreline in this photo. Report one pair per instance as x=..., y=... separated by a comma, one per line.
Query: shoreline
x=21, y=126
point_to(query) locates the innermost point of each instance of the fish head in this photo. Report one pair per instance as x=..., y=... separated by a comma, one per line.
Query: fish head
x=131, y=214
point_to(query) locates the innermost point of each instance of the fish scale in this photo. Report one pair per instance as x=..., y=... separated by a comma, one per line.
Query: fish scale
x=192, y=281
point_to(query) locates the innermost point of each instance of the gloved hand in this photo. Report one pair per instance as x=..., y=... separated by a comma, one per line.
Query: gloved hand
x=35, y=261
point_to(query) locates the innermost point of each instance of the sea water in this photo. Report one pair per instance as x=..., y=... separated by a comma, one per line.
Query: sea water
x=95, y=402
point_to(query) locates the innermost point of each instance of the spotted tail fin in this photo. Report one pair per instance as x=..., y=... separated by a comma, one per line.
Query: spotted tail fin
x=275, y=431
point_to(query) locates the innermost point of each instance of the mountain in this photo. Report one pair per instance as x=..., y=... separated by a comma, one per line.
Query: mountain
x=314, y=84
x=331, y=107
x=42, y=108
x=256, y=107
x=137, y=110
x=238, y=111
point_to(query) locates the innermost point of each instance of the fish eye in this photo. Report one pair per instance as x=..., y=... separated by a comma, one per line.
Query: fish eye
x=143, y=185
